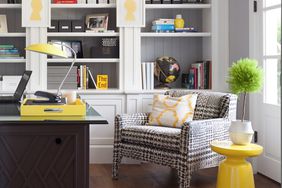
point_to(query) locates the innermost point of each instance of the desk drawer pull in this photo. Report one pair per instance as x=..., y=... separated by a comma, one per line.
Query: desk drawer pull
x=56, y=110
x=58, y=141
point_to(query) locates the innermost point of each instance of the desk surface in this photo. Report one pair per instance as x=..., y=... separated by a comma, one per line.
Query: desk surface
x=10, y=114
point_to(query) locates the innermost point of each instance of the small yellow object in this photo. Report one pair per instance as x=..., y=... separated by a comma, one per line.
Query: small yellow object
x=170, y=79
x=235, y=171
x=48, y=49
x=179, y=22
x=102, y=81
x=76, y=109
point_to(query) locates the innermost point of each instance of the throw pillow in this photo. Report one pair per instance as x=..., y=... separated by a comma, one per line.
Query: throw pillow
x=172, y=111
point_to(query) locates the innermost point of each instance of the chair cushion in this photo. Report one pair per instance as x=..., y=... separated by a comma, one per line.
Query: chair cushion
x=153, y=136
x=172, y=111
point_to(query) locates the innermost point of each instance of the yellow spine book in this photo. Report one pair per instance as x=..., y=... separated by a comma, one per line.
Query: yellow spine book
x=84, y=77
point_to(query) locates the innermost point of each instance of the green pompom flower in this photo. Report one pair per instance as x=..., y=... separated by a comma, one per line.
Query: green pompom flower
x=245, y=77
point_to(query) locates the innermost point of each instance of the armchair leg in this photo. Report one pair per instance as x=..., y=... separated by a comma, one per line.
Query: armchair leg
x=184, y=177
x=116, y=162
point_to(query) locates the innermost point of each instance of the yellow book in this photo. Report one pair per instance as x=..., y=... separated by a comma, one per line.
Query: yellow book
x=84, y=77
x=102, y=81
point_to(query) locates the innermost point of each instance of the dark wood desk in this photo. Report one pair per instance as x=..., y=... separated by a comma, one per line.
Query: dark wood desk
x=49, y=152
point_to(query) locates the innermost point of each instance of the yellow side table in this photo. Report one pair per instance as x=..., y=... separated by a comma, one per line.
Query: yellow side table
x=235, y=171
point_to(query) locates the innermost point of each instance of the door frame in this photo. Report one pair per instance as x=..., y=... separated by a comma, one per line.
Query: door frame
x=256, y=52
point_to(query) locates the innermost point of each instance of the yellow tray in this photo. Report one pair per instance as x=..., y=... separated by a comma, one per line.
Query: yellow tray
x=76, y=109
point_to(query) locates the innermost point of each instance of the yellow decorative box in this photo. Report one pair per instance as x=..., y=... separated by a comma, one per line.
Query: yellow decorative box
x=76, y=109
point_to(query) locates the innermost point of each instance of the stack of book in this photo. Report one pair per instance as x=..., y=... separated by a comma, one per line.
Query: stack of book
x=148, y=75
x=163, y=25
x=200, y=75
x=8, y=51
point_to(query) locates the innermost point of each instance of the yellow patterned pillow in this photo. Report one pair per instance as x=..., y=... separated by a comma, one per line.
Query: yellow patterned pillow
x=172, y=111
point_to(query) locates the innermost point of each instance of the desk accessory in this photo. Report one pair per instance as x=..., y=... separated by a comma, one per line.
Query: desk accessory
x=31, y=107
x=19, y=91
x=51, y=49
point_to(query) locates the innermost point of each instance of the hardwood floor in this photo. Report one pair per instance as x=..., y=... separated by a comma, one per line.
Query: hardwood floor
x=154, y=176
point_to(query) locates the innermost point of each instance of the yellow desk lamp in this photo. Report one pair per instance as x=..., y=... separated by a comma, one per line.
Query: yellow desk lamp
x=51, y=49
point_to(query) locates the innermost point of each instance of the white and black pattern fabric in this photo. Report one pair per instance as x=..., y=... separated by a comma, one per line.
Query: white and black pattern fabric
x=152, y=136
x=186, y=149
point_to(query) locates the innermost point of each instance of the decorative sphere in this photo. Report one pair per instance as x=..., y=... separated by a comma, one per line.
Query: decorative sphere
x=167, y=69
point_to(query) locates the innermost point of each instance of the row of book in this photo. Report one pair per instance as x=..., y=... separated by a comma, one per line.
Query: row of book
x=200, y=75
x=147, y=75
x=84, y=1
x=8, y=51
x=80, y=77
x=167, y=25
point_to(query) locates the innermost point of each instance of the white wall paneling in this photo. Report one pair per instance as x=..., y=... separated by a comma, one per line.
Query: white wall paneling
x=102, y=136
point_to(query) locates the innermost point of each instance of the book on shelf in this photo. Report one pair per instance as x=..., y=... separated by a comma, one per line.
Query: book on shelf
x=8, y=51
x=200, y=75
x=85, y=79
x=147, y=69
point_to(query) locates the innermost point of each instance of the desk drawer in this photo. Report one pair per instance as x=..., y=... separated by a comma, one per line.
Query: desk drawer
x=37, y=155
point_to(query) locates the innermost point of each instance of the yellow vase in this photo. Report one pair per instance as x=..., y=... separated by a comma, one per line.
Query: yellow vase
x=178, y=22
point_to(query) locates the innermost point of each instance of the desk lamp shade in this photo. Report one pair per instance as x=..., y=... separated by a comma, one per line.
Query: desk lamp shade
x=47, y=49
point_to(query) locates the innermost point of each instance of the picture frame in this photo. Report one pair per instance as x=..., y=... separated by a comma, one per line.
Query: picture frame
x=3, y=24
x=130, y=13
x=76, y=45
x=36, y=13
x=97, y=22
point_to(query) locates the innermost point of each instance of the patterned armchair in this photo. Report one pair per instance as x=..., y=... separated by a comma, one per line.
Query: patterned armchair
x=186, y=149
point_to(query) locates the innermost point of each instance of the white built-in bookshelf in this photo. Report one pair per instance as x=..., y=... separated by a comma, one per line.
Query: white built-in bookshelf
x=146, y=45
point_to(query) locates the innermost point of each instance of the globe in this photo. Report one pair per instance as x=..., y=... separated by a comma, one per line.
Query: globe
x=167, y=70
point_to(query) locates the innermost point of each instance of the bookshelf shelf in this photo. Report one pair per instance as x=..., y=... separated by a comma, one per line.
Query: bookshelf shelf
x=82, y=34
x=12, y=34
x=57, y=6
x=10, y=6
x=85, y=60
x=93, y=91
x=194, y=34
x=178, y=6
x=12, y=60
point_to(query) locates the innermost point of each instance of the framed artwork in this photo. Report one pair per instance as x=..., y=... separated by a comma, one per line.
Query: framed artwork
x=97, y=22
x=3, y=24
x=36, y=13
x=130, y=13
x=76, y=45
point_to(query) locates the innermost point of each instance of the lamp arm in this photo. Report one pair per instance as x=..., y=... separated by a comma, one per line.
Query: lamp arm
x=72, y=64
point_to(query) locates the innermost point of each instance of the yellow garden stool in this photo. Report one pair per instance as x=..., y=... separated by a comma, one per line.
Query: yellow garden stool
x=235, y=171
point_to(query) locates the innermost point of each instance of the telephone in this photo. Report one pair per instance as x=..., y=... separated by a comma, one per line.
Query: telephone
x=52, y=98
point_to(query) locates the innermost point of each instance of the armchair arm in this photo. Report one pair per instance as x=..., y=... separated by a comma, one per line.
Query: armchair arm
x=128, y=119
x=132, y=119
x=195, y=142
x=197, y=135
